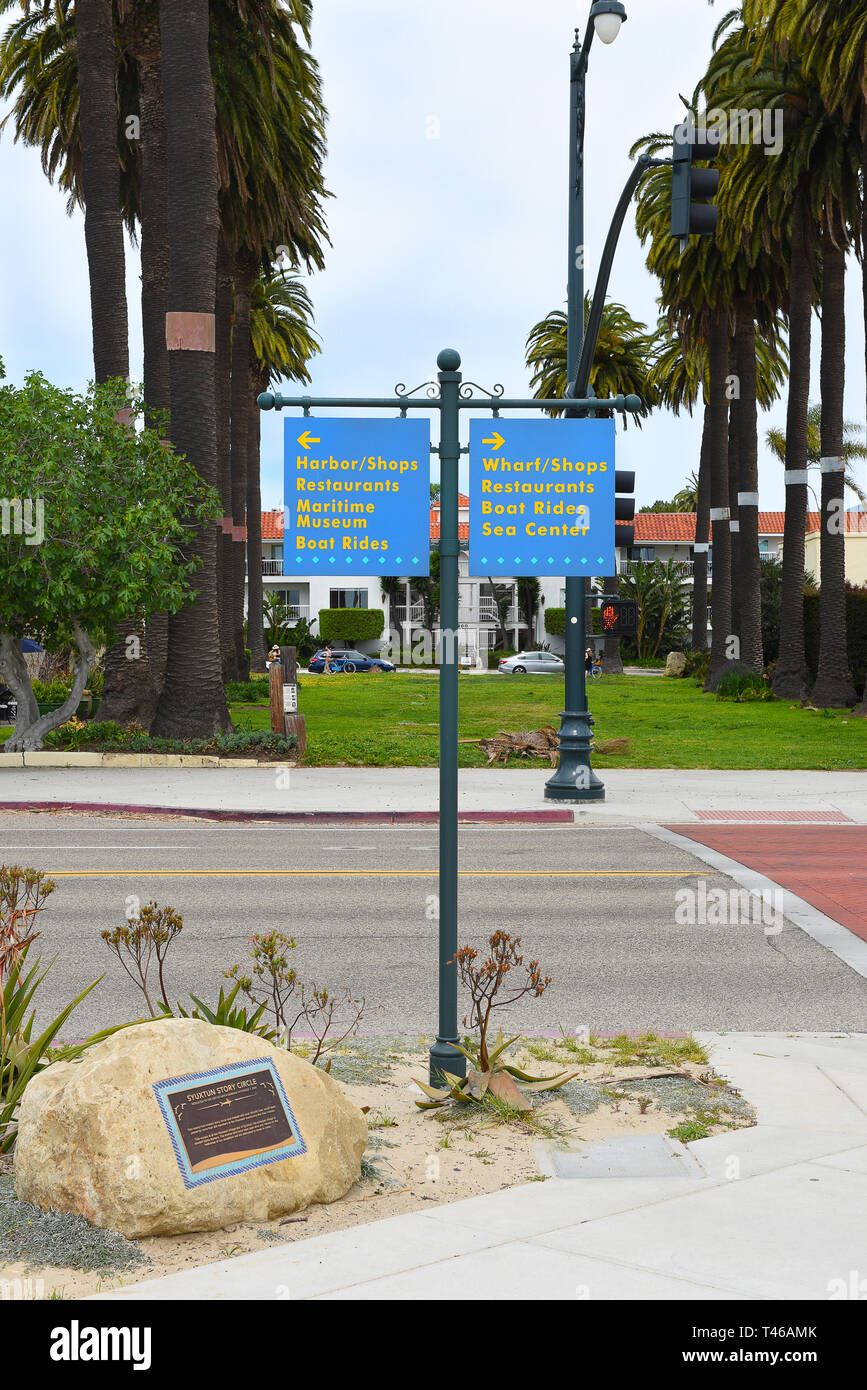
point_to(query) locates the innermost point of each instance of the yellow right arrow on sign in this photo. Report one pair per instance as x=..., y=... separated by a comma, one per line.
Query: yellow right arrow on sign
x=496, y=441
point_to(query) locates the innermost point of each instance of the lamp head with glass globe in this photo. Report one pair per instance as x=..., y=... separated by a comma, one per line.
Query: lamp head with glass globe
x=607, y=16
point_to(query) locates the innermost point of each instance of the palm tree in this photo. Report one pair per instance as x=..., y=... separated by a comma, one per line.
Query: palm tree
x=282, y=343
x=812, y=198
x=271, y=154
x=270, y=147
x=852, y=447
x=622, y=363
x=193, y=700
x=702, y=292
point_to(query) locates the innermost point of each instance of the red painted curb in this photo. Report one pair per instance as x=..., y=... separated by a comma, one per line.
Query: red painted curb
x=561, y=817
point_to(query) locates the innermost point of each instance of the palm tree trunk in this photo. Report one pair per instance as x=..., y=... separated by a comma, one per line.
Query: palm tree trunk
x=255, y=625
x=734, y=464
x=747, y=575
x=193, y=701
x=223, y=369
x=834, y=686
x=702, y=536
x=718, y=353
x=129, y=692
x=791, y=678
x=246, y=267
x=155, y=281
x=100, y=178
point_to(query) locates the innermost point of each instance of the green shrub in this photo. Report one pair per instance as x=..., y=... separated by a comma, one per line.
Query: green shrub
x=697, y=663
x=742, y=687
x=856, y=634
x=350, y=624
x=252, y=692
x=494, y=658
x=555, y=621
x=54, y=692
x=112, y=738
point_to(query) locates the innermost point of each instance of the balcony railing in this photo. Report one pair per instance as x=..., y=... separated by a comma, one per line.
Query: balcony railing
x=293, y=612
x=487, y=612
x=687, y=567
x=414, y=614
x=272, y=566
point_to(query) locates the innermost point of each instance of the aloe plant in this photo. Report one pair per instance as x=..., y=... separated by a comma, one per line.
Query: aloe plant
x=227, y=1016
x=22, y=1056
x=498, y=1079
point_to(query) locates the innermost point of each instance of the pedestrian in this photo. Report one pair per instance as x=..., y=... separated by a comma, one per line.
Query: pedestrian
x=588, y=660
x=327, y=670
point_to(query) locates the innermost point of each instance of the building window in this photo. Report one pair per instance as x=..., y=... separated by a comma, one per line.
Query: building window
x=647, y=553
x=348, y=598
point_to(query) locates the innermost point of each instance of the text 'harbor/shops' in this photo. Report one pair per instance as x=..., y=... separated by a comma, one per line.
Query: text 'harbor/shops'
x=357, y=496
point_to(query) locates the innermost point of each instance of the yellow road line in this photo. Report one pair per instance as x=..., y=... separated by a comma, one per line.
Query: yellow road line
x=377, y=873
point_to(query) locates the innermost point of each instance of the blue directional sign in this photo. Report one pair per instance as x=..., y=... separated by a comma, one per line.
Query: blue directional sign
x=541, y=497
x=357, y=497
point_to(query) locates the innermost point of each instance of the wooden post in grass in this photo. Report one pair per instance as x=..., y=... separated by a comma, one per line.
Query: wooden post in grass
x=275, y=678
x=295, y=722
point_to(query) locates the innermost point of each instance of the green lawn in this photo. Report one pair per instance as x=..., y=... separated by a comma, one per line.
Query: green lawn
x=392, y=721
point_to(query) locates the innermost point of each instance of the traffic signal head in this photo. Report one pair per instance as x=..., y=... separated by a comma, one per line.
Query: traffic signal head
x=691, y=187
x=624, y=507
x=619, y=617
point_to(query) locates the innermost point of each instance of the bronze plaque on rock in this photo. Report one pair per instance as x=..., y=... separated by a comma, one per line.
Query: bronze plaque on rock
x=226, y=1121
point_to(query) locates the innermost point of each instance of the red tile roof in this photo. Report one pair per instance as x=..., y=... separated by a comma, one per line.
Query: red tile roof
x=679, y=527
x=272, y=526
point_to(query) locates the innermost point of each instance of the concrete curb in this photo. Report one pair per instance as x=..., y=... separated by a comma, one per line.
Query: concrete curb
x=300, y=817
x=130, y=760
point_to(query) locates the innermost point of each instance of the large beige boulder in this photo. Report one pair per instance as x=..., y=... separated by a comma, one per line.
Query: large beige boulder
x=675, y=664
x=92, y=1137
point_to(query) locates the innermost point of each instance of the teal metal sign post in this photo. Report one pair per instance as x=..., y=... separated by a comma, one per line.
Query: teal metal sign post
x=449, y=395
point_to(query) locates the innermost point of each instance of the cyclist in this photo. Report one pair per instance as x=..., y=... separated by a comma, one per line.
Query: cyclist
x=588, y=660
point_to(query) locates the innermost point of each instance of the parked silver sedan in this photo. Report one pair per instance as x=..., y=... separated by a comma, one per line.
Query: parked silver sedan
x=532, y=663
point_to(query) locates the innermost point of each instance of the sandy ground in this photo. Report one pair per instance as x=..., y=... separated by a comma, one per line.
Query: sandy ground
x=416, y=1157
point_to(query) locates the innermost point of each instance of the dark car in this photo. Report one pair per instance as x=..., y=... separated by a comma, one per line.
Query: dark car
x=344, y=659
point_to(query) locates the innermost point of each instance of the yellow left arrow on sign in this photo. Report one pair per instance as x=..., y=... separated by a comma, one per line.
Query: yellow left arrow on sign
x=307, y=439
x=495, y=441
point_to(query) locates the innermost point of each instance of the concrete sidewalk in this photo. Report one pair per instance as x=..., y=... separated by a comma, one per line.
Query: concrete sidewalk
x=666, y=795
x=776, y=1212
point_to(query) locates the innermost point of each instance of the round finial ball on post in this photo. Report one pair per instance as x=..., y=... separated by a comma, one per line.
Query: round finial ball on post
x=266, y=400
x=449, y=360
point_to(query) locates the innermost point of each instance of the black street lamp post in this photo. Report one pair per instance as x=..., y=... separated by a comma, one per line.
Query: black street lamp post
x=575, y=779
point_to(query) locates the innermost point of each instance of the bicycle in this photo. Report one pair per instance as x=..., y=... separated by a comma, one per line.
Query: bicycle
x=340, y=668
x=595, y=671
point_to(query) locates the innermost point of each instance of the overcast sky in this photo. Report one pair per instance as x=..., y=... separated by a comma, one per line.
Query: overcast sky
x=448, y=148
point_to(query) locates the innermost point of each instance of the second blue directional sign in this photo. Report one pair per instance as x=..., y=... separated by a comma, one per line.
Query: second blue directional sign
x=357, y=497
x=541, y=497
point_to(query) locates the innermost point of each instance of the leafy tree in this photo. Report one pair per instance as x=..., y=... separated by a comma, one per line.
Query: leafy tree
x=663, y=599
x=101, y=535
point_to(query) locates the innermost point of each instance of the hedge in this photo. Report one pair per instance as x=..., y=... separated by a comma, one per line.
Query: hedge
x=555, y=621
x=856, y=634
x=350, y=624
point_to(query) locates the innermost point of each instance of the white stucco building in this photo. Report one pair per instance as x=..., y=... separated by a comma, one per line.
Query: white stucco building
x=659, y=536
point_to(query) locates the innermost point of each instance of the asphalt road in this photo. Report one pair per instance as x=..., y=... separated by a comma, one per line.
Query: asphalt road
x=595, y=905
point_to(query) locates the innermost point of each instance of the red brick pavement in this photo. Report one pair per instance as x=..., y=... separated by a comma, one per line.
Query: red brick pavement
x=825, y=866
